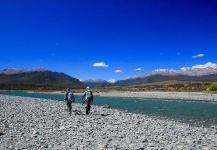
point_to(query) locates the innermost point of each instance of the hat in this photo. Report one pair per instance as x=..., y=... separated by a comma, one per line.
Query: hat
x=88, y=87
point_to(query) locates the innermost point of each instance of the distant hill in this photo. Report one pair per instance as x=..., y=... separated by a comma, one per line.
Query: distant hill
x=38, y=76
x=185, y=74
x=96, y=82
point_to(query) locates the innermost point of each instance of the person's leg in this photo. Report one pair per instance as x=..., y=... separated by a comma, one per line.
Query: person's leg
x=88, y=109
x=70, y=108
x=87, y=106
x=67, y=105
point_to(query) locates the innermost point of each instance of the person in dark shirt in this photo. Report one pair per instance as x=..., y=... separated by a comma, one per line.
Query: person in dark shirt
x=69, y=98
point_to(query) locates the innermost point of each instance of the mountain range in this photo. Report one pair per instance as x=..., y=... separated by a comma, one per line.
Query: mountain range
x=43, y=76
x=184, y=74
x=93, y=83
x=37, y=76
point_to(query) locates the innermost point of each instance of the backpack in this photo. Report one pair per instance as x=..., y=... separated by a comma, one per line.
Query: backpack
x=90, y=95
x=71, y=97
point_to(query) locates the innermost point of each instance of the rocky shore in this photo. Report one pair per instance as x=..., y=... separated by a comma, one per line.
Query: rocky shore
x=156, y=94
x=33, y=123
x=164, y=95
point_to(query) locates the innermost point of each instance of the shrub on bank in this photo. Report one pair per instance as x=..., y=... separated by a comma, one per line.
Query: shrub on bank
x=213, y=87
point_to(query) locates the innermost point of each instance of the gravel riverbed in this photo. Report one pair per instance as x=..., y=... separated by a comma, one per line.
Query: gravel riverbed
x=33, y=123
x=163, y=95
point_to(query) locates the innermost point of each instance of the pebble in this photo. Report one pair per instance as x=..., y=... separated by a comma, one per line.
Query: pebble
x=33, y=123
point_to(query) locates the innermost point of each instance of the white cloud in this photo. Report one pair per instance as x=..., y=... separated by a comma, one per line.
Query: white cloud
x=118, y=71
x=138, y=69
x=209, y=64
x=199, y=55
x=100, y=64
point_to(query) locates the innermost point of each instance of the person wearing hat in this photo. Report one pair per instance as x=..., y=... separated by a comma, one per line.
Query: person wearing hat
x=88, y=99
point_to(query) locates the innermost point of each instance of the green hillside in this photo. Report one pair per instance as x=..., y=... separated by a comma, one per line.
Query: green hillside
x=45, y=80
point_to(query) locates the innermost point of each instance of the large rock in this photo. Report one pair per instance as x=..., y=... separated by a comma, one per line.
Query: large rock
x=106, y=106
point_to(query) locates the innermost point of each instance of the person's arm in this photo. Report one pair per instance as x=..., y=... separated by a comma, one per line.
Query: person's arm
x=65, y=96
x=84, y=94
x=72, y=97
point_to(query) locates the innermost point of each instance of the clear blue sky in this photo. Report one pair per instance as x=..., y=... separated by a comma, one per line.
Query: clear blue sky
x=107, y=39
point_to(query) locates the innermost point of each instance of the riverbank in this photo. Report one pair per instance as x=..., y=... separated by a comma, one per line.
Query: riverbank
x=33, y=123
x=164, y=95
x=157, y=94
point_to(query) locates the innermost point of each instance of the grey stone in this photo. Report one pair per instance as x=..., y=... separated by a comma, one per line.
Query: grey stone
x=48, y=127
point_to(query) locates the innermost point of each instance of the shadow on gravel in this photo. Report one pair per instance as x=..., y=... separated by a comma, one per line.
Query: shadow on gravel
x=78, y=112
x=105, y=114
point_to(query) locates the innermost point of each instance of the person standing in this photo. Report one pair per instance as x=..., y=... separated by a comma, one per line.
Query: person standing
x=69, y=98
x=88, y=99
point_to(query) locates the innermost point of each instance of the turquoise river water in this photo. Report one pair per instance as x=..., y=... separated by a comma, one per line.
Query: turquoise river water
x=196, y=113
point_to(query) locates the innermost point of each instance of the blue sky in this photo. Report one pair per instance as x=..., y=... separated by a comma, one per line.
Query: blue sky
x=108, y=39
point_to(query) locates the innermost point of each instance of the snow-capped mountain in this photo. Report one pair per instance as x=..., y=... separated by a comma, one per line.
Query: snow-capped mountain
x=183, y=71
x=158, y=75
